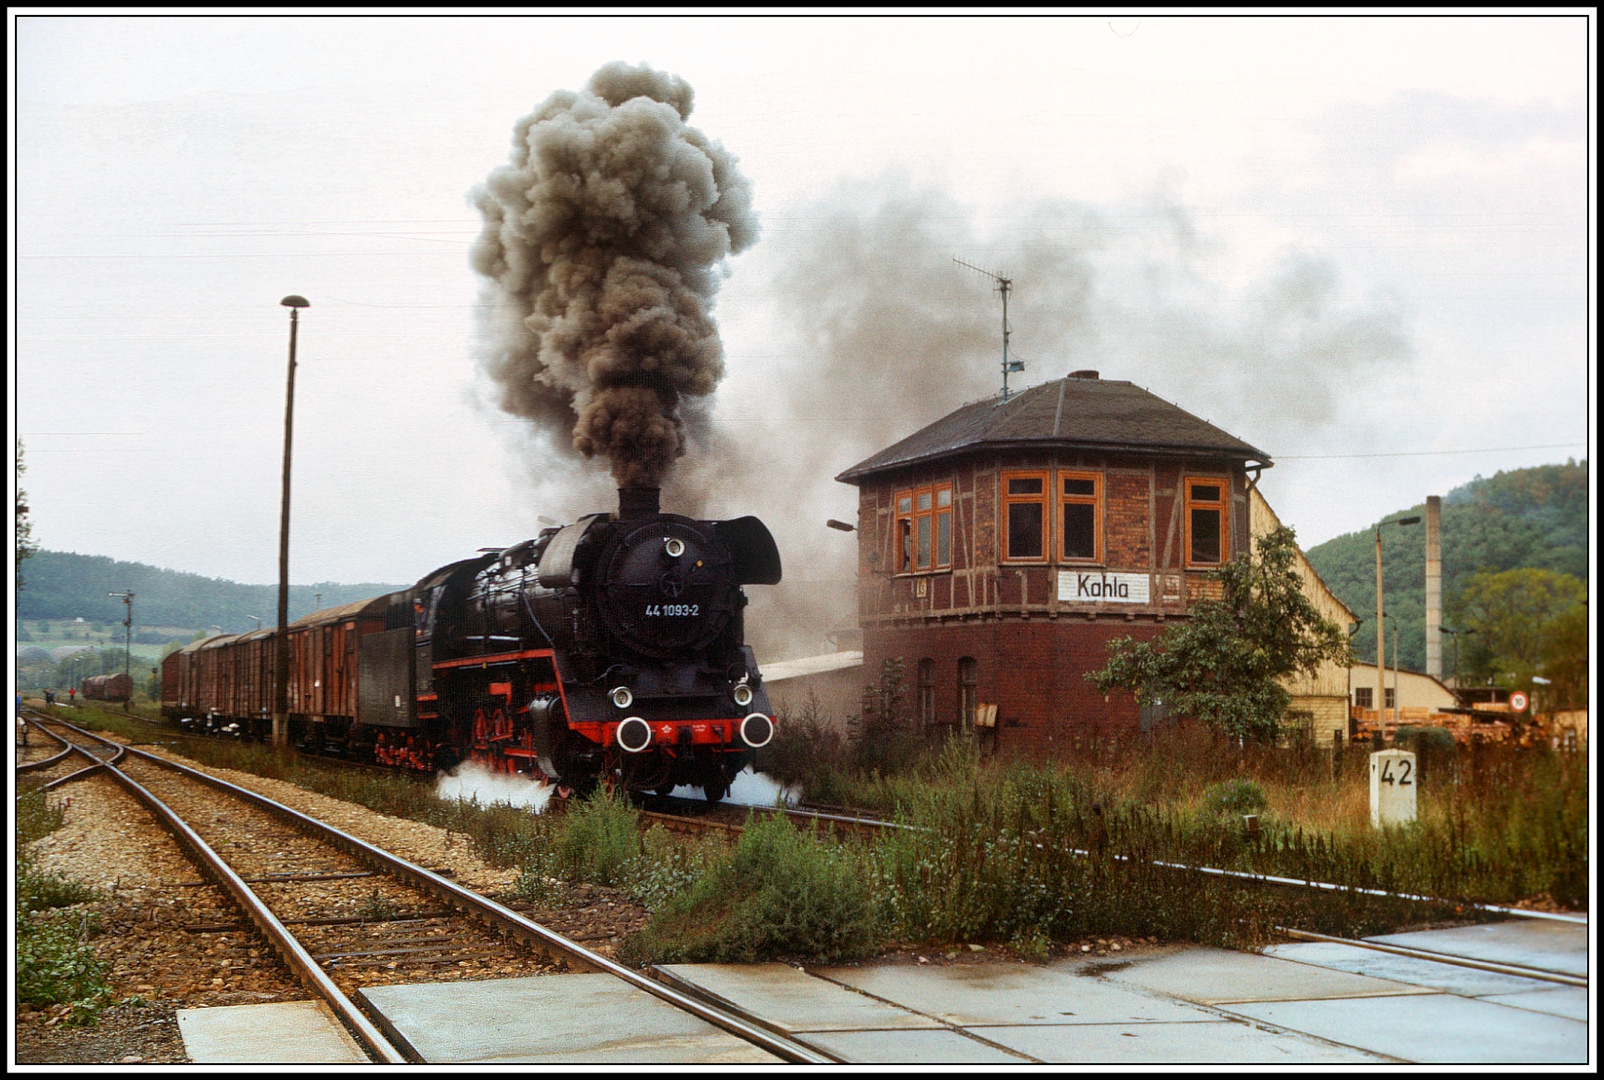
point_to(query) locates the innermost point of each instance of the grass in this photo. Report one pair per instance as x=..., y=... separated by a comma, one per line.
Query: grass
x=1027, y=855
x=55, y=964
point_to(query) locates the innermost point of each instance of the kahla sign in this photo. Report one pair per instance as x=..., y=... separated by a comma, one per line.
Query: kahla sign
x=1102, y=588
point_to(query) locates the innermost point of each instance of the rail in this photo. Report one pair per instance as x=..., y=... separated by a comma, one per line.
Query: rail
x=496, y=914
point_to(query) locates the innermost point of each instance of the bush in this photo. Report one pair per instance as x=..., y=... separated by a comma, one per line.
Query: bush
x=1432, y=739
x=599, y=838
x=1235, y=797
x=779, y=893
x=56, y=965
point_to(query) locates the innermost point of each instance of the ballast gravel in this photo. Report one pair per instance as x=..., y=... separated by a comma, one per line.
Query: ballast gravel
x=154, y=904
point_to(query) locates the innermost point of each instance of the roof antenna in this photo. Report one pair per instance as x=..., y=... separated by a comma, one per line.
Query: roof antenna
x=1004, y=285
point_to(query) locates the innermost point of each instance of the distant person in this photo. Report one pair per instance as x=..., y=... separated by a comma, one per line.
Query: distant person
x=419, y=617
x=72, y=695
x=50, y=699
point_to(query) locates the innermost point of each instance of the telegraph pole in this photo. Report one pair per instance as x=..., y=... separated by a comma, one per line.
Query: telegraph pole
x=281, y=646
x=128, y=635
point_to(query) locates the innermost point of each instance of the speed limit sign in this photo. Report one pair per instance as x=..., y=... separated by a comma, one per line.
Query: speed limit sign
x=1517, y=702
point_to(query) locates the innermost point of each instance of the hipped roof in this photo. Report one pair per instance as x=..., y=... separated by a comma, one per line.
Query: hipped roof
x=1078, y=413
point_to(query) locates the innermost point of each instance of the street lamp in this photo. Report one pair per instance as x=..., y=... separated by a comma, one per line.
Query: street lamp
x=1396, y=704
x=1381, y=636
x=281, y=652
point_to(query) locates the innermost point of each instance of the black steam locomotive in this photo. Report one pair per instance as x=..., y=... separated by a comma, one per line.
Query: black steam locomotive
x=612, y=647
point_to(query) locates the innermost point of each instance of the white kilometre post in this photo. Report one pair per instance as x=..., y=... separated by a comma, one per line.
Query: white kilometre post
x=1393, y=783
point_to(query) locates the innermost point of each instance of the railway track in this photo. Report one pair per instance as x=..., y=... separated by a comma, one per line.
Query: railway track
x=355, y=908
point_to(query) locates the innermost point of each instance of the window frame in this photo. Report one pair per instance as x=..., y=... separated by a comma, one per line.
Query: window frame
x=1364, y=697
x=968, y=693
x=1223, y=505
x=1007, y=501
x=1095, y=501
x=906, y=524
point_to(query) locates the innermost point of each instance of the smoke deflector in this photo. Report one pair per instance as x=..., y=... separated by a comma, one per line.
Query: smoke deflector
x=757, y=558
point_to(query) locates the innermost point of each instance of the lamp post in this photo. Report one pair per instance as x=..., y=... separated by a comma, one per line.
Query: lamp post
x=1396, y=704
x=1381, y=630
x=281, y=652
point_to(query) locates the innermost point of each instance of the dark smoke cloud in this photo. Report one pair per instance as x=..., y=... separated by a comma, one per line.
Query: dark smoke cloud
x=602, y=244
x=876, y=333
x=883, y=334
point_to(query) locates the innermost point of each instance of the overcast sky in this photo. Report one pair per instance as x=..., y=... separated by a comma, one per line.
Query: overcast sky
x=1332, y=237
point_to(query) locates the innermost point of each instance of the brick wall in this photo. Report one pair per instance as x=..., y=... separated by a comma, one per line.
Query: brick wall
x=1032, y=670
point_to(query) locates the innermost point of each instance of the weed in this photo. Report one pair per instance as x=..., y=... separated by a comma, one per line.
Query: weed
x=378, y=907
x=37, y=817
x=1235, y=797
x=779, y=892
x=600, y=836
x=56, y=965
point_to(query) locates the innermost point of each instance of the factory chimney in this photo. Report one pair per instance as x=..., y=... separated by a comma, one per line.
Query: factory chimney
x=1434, y=586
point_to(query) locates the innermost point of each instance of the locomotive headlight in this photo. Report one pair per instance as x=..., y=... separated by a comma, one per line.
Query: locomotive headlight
x=757, y=730
x=674, y=546
x=742, y=695
x=622, y=697
x=633, y=735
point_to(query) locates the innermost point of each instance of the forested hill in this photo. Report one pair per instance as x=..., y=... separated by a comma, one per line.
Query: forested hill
x=61, y=585
x=1525, y=518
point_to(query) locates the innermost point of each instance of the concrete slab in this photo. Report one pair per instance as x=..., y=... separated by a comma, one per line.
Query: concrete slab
x=1467, y=982
x=1010, y=994
x=277, y=1032
x=1210, y=976
x=1225, y=1042
x=939, y=1047
x=1567, y=1001
x=569, y=1019
x=1431, y=1028
x=794, y=1000
x=1539, y=943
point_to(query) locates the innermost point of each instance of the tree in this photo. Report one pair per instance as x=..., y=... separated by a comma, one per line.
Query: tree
x=1223, y=664
x=1528, y=622
x=24, y=526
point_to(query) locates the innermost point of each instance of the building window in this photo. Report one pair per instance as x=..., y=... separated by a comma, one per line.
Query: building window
x=968, y=693
x=1025, y=516
x=927, y=694
x=1364, y=697
x=924, y=528
x=1205, y=522
x=1081, y=512
x=1390, y=698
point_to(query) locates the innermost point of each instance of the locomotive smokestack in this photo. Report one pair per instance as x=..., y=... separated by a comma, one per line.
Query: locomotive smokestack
x=637, y=502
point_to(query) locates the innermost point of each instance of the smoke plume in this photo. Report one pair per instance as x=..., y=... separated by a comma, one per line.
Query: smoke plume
x=602, y=246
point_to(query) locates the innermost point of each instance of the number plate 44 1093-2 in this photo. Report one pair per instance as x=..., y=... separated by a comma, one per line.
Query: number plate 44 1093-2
x=673, y=610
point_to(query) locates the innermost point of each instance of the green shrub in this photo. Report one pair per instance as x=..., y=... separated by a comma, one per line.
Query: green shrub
x=599, y=838
x=779, y=893
x=669, y=865
x=1433, y=739
x=37, y=817
x=1235, y=797
x=38, y=891
x=57, y=966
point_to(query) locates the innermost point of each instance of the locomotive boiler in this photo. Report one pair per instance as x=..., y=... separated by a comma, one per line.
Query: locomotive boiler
x=612, y=647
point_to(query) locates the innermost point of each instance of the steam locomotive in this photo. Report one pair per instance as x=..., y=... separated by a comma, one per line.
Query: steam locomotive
x=612, y=647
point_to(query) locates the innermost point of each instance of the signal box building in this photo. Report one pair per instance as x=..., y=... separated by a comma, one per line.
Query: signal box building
x=1002, y=547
